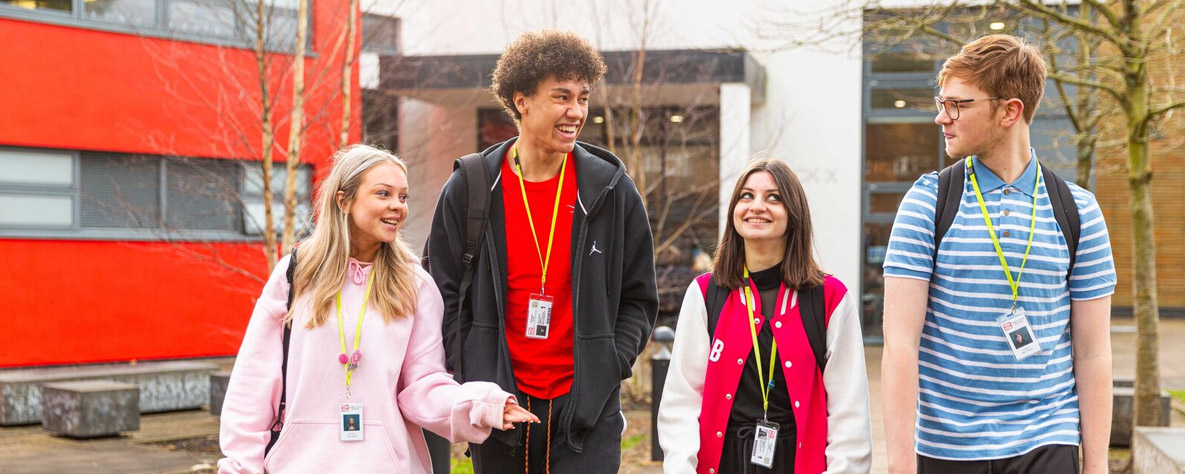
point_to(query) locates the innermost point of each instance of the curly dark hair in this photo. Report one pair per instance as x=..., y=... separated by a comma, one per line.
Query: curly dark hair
x=535, y=56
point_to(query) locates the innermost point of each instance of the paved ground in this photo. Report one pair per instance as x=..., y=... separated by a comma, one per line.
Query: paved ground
x=157, y=446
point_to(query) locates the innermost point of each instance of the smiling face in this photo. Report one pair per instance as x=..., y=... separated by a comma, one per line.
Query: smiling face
x=553, y=116
x=977, y=131
x=379, y=207
x=760, y=213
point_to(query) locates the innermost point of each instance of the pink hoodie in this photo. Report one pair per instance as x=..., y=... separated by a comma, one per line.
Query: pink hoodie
x=400, y=380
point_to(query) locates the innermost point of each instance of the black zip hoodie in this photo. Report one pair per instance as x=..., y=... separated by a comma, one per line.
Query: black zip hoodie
x=614, y=295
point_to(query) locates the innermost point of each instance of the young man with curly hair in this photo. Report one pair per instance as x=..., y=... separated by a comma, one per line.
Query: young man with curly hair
x=562, y=294
x=997, y=352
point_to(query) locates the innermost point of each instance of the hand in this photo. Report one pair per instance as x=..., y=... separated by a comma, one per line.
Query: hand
x=512, y=413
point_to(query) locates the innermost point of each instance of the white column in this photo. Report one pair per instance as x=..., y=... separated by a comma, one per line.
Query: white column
x=735, y=110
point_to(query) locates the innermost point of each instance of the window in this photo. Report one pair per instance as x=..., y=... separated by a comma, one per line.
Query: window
x=61, y=194
x=380, y=34
x=37, y=189
x=127, y=12
x=50, y=5
x=120, y=191
x=253, y=216
x=380, y=119
x=202, y=194
x=230, y=22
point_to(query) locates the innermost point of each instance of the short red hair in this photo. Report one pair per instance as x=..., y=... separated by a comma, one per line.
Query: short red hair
x=1003, y=66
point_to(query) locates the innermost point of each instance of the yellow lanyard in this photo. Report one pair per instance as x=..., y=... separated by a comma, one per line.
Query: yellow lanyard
x=765, y=387
x=341, y=333
x=543, y=260
x=1014, y=284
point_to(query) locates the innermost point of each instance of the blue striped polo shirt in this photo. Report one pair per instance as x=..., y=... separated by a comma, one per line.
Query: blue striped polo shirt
x=975, y=400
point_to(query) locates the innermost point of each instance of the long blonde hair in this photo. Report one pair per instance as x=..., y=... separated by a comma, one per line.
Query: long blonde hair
x=323, y=258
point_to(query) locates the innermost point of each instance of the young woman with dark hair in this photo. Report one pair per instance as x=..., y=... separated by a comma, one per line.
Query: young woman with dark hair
x=746, y=391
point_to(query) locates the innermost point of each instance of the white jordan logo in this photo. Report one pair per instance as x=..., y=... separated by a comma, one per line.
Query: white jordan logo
x=594, y=249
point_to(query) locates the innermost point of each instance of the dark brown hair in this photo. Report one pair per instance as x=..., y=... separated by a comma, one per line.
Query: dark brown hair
x=535, y=56
x=799, y=269
x=1003, y=66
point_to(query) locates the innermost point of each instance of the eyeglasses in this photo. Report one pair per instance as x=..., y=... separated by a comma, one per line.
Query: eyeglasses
x=952, y=106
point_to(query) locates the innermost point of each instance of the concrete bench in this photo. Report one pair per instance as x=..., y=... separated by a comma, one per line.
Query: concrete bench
x=218, y=383
x=1123, y=412
x=164, y=386
x=90, y=408
x=1159, y=450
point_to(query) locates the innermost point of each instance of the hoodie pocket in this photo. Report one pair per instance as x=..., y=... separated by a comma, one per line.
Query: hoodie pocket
x=315, y=446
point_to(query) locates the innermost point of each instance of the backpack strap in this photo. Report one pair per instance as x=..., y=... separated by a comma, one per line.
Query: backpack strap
x=477, y=181
x=477, y=210
x=714, y=298
x=1065, y=211
x=278, y=424
x=811, y=304
x=812, y=308
x=950, y=197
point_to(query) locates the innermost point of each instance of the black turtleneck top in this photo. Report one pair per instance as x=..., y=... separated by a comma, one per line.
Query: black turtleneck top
x=747, y=407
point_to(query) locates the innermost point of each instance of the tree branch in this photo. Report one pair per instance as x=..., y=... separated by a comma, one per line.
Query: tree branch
x=1166, y=108
x=1069, y=79
x=1038, y=9
x=1101, y=8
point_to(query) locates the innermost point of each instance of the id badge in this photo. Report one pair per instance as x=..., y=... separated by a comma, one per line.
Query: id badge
x=764, y=444
x=1019, y=333
x=539, y=316
x=350, y=421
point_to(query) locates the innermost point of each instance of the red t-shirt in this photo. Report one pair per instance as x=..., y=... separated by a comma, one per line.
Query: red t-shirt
x=542, y=367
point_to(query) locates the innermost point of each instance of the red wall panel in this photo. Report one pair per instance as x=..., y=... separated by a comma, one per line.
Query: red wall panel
x=82, y=301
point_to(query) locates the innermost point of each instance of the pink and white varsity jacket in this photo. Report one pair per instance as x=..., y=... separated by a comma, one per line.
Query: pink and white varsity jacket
x=400, y=380
x=830, y=409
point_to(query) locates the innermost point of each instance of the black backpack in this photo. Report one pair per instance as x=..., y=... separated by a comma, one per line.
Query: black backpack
x=950, y=197
x=811, y=304
x=278, y=423
x=477, y=210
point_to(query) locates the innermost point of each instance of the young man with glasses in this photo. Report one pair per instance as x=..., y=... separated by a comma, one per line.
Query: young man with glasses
x=1002, y=273
x=563, y=294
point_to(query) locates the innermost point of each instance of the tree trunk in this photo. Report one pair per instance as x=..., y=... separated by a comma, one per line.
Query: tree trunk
x=269, y=138
x=295, y=125
x=1085, y=160
x=1086, y=139
x=1139, y=174
x=347, y=72
x=1145, y=309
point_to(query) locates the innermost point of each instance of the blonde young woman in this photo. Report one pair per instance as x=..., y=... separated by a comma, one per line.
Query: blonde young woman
x=365, y=345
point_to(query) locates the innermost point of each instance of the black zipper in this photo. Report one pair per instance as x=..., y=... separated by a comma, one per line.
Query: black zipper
x=574, y=393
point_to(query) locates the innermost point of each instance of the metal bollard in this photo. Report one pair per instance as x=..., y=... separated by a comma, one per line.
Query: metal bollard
x=659, y=363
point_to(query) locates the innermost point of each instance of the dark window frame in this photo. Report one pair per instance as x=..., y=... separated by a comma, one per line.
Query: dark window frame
x=160, y=28
x=161, y=230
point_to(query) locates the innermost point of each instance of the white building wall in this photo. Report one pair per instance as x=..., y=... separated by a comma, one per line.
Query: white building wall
x=811, y=116
x=735, y=141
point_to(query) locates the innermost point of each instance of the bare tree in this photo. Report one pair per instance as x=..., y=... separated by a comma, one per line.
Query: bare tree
x=296, y=123
x=248, y=116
